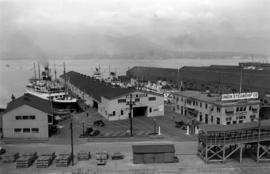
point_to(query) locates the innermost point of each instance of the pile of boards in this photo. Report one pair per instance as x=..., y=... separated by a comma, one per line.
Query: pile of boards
x=83, y=155
x=26, y=160
x=45, y=160
x=10, y=158
x=63, y=160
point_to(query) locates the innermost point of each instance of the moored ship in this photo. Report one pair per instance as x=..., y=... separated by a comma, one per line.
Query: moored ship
x=47, y=88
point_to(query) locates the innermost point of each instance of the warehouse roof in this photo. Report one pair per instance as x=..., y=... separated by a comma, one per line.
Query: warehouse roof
x=30, y=100
x=96, y=88
x=223, y=128
x=153, y=148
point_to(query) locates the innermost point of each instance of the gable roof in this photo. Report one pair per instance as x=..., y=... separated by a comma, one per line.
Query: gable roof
x=94, y=87
x=153, y=148
x=30, y=100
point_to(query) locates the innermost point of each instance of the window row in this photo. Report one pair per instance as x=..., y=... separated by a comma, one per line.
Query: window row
x=26, y=130
x=25, y=117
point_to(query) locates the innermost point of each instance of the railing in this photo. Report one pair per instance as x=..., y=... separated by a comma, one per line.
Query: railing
x=236, y=137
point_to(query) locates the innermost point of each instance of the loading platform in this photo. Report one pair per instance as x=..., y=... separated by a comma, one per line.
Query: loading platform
x=217, y=143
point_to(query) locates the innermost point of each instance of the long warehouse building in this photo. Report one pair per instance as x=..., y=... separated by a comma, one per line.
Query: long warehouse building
x=112, y=102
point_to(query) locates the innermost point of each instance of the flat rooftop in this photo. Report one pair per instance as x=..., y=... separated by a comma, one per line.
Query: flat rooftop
x=212, y=98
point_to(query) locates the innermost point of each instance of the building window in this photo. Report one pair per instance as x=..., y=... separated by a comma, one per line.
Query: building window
x=35, y=130
x=200, y=117
x=212, y=119
x=182, y=110
x=122, y=112
x=218, y=109
x=50, y=119
x=181, y=99
x=17, y=130
x=206, y=118
x=32, y=117
x=152, y=98
x=177, y=99
x=121, y=100
x=113, y=113
x=18, y=117
x=177, y=107
x=240, y=121
x=137, y=100
x=234, y=122
x=206, y=105
x=137, y=95
x=237, y=109
x=200, y=104
x=26, y=130
x=228, y=123
x=250, y=108
x=150, y=110
x=218, y=120
x=25, y=117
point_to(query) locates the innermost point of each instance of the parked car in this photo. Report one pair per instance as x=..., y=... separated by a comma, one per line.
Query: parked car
x=2, y=150
x=179, y=124
x=89, y=130
x=101, y=162
x=94, y=133
x=99, y=123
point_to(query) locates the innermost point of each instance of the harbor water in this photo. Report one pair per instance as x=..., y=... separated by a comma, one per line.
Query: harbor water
x=14, y=74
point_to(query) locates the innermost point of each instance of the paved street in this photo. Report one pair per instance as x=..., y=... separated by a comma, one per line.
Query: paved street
x=189, y=162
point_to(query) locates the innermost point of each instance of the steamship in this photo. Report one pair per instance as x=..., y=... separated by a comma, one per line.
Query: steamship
x=46, y=88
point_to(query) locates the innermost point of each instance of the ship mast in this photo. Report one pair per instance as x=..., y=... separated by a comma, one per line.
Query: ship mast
x=35, y=76
x=54, y=72
x=38, y=72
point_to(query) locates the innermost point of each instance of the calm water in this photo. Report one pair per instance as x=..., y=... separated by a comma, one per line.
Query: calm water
x=15, y=76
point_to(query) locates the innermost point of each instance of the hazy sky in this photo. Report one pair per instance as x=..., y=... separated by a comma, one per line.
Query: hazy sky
x=69, y=27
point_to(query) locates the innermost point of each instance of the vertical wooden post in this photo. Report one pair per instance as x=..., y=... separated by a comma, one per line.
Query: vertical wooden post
x=241, y=150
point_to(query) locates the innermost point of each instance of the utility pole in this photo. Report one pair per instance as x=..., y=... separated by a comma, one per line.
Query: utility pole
x=71, y=141
x=241, y=74
x=130, y=103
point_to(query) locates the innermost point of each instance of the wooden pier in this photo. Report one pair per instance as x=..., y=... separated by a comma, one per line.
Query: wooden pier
x=217, y=143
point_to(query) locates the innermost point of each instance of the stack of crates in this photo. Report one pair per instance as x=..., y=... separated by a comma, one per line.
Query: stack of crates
x=63, y=160
x=26, y=160
x=45, y=160
x=83, y=155
x=10, y=158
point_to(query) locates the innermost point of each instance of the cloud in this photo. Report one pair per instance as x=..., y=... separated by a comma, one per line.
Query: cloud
x=72, y=27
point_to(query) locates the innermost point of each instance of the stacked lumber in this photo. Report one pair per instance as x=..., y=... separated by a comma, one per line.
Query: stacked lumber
x=117, y=156
x=83, y=155
x=63, y=160
x=102, y=156
x=10, y=158
x=26, y=160
x=45, y=160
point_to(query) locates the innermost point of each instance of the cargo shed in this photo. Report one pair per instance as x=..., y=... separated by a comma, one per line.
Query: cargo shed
x=155, y=153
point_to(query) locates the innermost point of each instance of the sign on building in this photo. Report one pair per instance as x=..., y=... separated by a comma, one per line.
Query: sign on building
x=239, y=96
